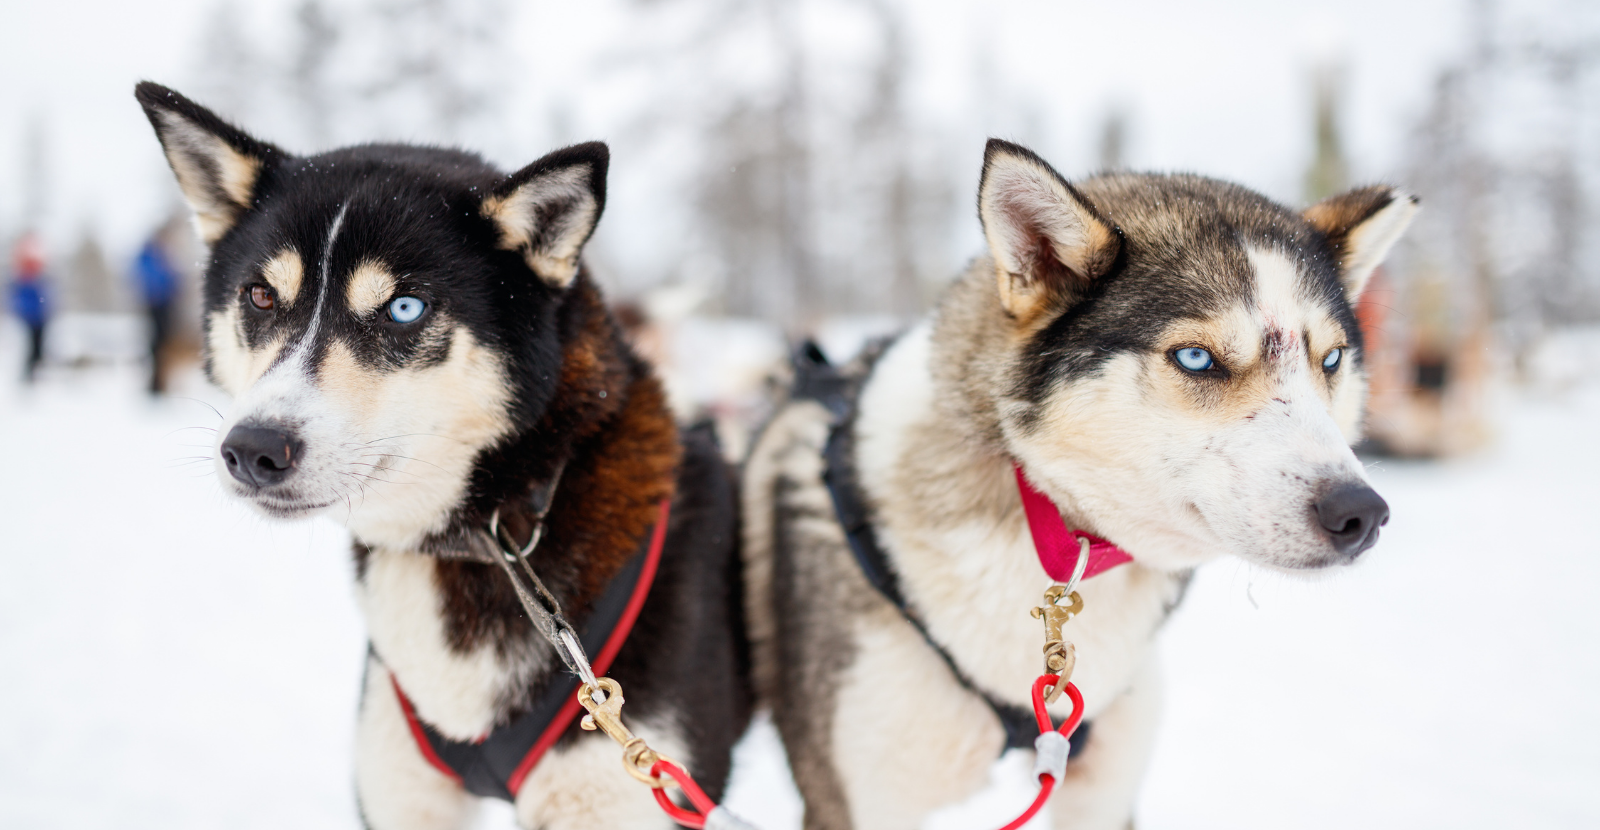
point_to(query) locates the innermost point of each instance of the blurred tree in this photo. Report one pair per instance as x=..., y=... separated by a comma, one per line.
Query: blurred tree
x=1505, y=157
x=35, y=172
x=437, y=67
x=1114, y=140
x=1329, y=172
x=89, y=284
x=782, y=235
x=317, y=37
x=230, y=75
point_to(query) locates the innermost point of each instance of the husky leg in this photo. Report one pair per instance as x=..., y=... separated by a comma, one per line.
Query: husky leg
x=1102, y=783
x=583, y=786
x=396, y=787
x=907, y=738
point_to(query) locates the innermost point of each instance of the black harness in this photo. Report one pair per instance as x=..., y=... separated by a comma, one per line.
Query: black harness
x=495, y=765
x=817, y=379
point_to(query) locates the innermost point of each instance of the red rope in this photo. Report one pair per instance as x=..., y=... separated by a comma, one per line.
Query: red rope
x=697, y=796
x=1047, y=782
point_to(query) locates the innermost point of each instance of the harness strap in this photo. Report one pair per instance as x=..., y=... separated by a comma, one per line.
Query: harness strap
x=818, y=380
x=497, y=764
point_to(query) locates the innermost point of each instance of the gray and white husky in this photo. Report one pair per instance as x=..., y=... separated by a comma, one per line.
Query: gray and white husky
x=1174, y=361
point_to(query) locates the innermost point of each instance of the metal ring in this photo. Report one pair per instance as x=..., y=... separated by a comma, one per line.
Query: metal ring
x=1077, y=569
x=631, y=759
x=502, y=537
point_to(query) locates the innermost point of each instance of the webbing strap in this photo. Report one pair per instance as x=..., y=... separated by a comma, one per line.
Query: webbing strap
x=495, y=765
x=817, y=379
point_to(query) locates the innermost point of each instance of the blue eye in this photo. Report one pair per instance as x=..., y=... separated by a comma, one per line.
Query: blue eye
x=406, y=309
x=1194, y=359
x=1331, y=362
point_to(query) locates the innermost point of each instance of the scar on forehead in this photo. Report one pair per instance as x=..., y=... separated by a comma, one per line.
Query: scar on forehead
x=1278, y=342
x=284, y=273
x=370, y=286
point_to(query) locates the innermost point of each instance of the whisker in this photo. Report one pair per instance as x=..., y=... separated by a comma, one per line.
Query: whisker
x=419, y=461
x=218, y=412
x=421, y=435
x=181, y=429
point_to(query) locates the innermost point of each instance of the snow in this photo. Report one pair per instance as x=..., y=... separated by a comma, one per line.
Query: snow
x=172, y=661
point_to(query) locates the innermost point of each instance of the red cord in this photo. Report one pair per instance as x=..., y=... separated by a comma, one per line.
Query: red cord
x=1047, y=782
x=1043, y=717
x=697, y=796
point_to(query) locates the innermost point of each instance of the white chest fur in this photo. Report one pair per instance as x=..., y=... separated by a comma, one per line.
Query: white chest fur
x=457, y=693
x=972, y=574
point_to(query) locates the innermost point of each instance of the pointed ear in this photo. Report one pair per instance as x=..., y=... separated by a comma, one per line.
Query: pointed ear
x=217, y=164
x=1361, y=226
x=548, y=209
x=1048, y=243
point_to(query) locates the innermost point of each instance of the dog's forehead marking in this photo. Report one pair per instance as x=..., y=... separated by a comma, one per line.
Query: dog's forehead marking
x=327, y=267
x=370, y=285
x=1279, y=303
x=302, y=349
x=285, y=272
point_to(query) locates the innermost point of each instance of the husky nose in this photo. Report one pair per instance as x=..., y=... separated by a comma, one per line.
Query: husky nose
x=1351, y=515
x=260, y=456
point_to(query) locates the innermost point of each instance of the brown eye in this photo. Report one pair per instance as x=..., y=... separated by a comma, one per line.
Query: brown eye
x=261, y=297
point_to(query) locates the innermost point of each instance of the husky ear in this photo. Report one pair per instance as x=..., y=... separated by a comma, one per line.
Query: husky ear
x=1361, y=225
x=548, y=209
x=217, y=164
x=1048, y=243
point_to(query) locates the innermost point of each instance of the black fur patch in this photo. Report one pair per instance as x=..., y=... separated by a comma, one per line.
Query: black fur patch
x=1183, y=257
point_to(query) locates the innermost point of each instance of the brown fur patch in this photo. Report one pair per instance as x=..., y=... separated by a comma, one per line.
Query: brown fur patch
x=1338, y=215
x=370, y=286
x=285, y=273
x=610, y=420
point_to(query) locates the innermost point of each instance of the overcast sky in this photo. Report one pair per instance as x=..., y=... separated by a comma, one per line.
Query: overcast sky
x=1218, y=88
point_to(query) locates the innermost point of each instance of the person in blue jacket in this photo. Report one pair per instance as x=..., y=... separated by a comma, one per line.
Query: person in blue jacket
x=29, y=301
x=158, y=285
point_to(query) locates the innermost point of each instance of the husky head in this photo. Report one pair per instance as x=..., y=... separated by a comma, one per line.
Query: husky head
x=1178, y=362
x=383, y=315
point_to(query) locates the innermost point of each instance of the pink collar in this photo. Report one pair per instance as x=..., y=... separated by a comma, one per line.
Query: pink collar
x=1057, y=546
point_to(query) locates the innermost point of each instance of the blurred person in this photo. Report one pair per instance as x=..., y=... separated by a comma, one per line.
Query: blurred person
x=29, y=300
x=158, y=286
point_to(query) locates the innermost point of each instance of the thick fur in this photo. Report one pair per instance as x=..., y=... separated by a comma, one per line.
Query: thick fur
x=413, y=434
x=1056, y=350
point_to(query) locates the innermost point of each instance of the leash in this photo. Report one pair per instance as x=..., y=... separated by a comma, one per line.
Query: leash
x=817, y=379
x=603, y=698
x=496, y=764
x=1067, y=557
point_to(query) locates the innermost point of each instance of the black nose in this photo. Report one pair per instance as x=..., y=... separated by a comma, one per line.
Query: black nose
x=1351, y=514
x=260, y=456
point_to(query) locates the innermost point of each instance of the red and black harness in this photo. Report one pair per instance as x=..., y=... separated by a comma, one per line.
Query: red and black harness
x=497, y=764
x=816, y=379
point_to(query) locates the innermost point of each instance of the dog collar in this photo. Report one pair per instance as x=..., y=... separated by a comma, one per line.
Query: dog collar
x=1058, y=547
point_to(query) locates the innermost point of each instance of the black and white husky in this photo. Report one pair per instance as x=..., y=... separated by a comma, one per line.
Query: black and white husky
x=413, y=347
x=1174, y=361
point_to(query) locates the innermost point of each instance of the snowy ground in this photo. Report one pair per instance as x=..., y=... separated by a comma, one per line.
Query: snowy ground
x=173, y=662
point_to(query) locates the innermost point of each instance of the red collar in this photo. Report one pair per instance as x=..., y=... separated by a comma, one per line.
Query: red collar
x=1057, y=546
